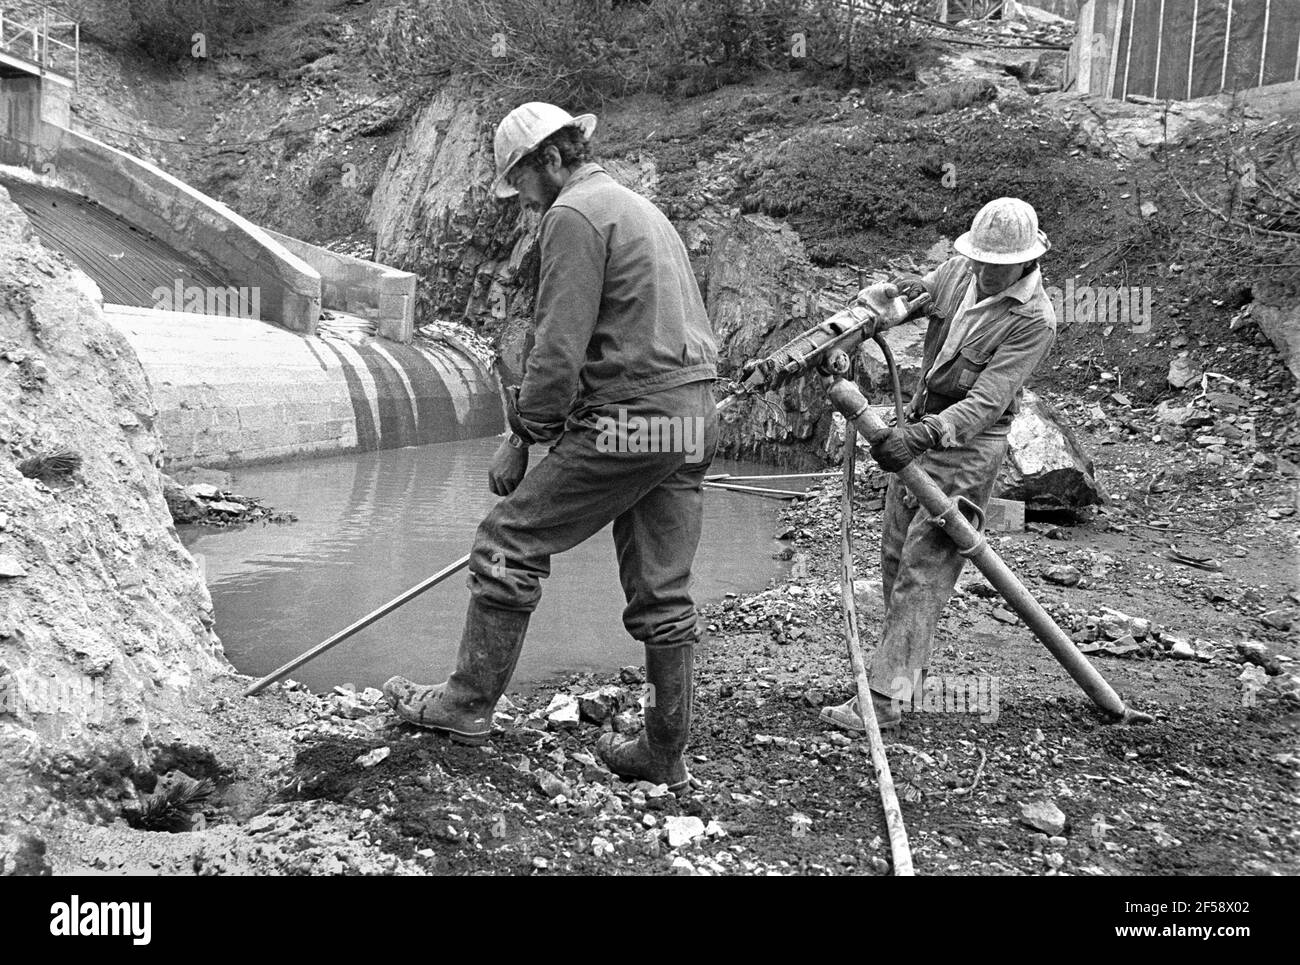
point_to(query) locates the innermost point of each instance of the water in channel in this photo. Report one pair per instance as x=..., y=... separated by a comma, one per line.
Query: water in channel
x=372, y=525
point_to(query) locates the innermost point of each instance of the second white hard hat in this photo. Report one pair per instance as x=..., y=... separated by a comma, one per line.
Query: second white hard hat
x=523, y=129
x=1004, y=232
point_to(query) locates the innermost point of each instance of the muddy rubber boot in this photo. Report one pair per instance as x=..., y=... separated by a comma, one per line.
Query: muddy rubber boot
x=846, y=716
x=462, y=706
x=655, y=754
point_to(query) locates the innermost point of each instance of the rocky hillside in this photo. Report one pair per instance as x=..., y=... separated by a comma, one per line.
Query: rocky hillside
x=790, y=195
x=788, y=189
x=105, y=621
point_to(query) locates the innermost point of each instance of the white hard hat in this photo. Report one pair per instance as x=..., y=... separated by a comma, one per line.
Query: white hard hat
x=523, y=129
x=1004, y=232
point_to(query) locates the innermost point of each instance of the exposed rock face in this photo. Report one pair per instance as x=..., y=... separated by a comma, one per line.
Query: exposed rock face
x=1046, y=468
x=758, y=285
x=907, y=344
x=1277, y=312
x=434, y=214
x=106, y=636
x=476, y=257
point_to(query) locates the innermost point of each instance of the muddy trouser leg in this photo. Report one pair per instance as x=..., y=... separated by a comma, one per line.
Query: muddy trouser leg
x=656, y=540
x=927, y=562
x=899, y=510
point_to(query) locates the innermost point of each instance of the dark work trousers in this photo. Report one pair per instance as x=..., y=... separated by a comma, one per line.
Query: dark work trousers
x=591, y=477
x=919, y=564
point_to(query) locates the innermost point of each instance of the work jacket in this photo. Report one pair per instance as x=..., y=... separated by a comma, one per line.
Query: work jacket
x=976, y=362
x=619, y=314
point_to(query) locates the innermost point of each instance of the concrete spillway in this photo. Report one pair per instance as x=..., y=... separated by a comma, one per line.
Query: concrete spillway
x=127, y=262
x=235, y=391
x=259, y=347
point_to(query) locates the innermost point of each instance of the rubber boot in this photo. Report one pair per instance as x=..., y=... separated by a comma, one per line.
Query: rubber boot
x=655, y=755
x=462, y=706
x=847, y=717
x=889, y=712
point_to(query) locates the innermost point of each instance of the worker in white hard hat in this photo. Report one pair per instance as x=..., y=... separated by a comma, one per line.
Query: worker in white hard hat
x=622, y=344
x=990, y=326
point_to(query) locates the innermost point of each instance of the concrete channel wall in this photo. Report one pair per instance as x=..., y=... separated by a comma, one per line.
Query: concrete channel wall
x=193, y=223
x=233, y=391
x=360, y=287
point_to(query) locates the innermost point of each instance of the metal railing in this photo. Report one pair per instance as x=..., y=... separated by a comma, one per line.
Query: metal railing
x=36, y=44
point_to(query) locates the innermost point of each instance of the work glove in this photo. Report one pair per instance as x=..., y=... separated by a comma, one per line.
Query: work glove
x=904, y=443
x=910, y=286
x=885, y=302
x=891, y=452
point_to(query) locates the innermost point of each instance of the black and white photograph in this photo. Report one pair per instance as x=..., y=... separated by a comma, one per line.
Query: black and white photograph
x=656, y=438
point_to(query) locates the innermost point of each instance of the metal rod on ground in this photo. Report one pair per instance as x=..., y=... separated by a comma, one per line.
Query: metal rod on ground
x=756, y=490
x=779, y=475
x=898, y=845
x=947, y=513
x=361, y=624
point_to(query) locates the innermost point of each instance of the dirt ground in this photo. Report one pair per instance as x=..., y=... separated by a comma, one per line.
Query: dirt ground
x=1209, y=787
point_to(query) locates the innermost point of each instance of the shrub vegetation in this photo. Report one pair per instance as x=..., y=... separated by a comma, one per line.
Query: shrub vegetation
x=582, y=51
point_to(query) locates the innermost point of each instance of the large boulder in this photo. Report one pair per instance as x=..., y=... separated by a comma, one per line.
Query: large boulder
x=1276, y=311
x=1046, y=468
x=907, y=345
x=184, y=506
x=1134, y=131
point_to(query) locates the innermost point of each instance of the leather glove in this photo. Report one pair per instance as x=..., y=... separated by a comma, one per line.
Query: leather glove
x=905, y=443
x=884, y=301
x=910, y=286
x=891, y=452
x=921, y=436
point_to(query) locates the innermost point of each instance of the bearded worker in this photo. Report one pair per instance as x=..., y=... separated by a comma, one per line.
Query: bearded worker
x=622, y=340
x=991, y=325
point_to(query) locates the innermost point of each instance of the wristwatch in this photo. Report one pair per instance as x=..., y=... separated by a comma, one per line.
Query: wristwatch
x=515, y=442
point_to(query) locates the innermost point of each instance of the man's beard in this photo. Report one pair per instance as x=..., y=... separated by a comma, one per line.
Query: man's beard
x=550, y=191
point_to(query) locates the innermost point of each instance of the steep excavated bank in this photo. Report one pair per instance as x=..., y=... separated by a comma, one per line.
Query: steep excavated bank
x=106, y=651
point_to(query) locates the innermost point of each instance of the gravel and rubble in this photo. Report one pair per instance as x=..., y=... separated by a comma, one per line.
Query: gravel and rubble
x=1003, y=767
x=207, y=504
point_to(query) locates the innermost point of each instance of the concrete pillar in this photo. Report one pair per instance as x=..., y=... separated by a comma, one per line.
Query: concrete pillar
x=56, y=102
x=20, y=107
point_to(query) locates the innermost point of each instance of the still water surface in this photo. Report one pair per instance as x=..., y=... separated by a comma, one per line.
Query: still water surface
x=372, y=525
